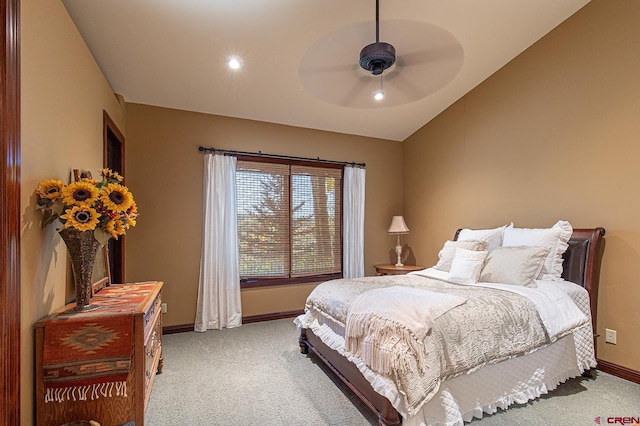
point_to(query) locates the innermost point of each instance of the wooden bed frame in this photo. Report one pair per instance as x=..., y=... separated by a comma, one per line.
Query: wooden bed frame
x=581, y=265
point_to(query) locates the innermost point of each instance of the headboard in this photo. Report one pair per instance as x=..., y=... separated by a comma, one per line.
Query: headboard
x=582, y=262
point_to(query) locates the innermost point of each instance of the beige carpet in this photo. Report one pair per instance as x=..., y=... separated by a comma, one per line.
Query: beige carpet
x=256, y=375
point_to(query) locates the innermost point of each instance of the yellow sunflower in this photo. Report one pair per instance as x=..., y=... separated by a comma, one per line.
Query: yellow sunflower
x=50, y=189
x=81, y=217
x=81, y=193
x=110, y=175
x=130, y=216
x=115, y=228
x=116, y=198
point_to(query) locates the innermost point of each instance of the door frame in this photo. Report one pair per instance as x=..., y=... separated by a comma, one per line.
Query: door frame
x=10, y=312
x=109, y=126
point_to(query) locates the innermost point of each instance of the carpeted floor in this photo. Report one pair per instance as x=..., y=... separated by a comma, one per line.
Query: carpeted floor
x=256, y=375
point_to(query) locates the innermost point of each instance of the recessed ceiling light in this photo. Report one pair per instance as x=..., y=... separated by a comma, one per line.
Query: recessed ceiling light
x=234, y=63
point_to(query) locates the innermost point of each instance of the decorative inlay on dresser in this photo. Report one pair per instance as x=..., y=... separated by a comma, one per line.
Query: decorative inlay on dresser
x=100, y=365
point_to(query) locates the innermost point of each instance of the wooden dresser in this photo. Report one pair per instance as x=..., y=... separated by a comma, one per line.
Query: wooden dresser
x=100, y=365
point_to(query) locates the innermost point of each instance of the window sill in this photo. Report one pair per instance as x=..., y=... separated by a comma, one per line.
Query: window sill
x=270, y=282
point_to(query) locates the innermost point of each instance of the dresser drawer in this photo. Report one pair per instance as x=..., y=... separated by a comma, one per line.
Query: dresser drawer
x=152, y=354
x=151, y=316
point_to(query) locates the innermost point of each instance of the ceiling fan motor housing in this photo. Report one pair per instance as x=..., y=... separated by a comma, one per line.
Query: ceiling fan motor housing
x=377, y=57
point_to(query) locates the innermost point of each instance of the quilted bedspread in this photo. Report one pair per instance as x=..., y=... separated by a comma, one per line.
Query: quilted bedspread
x=491, y=326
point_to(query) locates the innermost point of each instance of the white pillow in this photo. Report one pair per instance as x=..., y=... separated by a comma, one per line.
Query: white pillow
x=555, y=239
x=493, y=237
x=518, y=265
x=466, y=265
x=448, y=251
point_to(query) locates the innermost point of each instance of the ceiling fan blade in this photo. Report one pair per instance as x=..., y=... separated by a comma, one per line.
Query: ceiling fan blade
x=429, y=55
x=329, y=69
x=401, y=89
x=359, y=90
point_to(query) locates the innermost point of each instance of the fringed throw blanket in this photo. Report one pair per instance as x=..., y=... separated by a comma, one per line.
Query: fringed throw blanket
x=386, y=327
x=88, y=355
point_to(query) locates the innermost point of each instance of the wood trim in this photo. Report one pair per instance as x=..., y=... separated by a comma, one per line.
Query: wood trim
x=272, y=316
x=184, y=328
x=118, y=245
x=619, y=371
x=109, y=125
x=269, y=282
x=173, y=329
x=10, y=215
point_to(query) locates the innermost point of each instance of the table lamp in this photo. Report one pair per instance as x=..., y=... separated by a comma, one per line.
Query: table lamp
x=398, y=227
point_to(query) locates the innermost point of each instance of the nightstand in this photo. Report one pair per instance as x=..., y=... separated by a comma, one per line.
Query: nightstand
x=396, y=270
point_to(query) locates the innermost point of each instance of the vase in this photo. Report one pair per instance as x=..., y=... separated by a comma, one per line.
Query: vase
x=82, y=247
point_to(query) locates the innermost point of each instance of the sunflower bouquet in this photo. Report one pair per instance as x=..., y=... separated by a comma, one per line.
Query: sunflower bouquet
x=105, y=207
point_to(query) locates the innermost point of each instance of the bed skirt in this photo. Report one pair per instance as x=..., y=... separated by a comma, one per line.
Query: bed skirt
x=514, y=381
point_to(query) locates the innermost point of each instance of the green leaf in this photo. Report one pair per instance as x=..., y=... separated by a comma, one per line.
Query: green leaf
x=48, y=217
x=101, y=236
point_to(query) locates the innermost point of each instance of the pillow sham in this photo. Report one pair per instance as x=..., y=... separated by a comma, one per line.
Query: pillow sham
x=517, y=265
x=448, y=251
x=493, y=237
x=555, y=239
x=467, y=265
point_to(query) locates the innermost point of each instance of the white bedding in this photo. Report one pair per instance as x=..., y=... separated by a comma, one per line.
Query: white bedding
x=529, y=376
x=558, y=312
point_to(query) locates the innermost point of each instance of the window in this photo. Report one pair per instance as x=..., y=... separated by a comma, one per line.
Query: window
x=289, y=221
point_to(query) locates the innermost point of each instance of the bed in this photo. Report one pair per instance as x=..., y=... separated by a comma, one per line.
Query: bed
x=477, y=389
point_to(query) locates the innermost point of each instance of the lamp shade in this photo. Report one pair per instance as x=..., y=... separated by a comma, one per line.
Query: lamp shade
x=398, y=226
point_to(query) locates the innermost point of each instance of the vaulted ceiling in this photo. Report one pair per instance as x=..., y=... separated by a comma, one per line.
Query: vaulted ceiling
x=300, y=57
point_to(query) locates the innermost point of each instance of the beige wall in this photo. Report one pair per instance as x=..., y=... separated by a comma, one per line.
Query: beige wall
x=553, y=135
x=63, y=97
x=164, y=171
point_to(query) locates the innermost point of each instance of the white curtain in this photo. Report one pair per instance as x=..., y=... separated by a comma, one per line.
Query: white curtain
x=353, y=223
x=219, y=288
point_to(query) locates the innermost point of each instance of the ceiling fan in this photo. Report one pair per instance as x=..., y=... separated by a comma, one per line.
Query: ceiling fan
x=422, y=59
x=377, y=57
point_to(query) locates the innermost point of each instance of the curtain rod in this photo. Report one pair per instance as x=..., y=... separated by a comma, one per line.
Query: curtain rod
x=287, y=157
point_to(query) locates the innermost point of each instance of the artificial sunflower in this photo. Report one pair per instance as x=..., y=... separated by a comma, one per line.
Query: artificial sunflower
x=81, y=193
x=106, y=206
x=50, y=189
x=82, y=218
x=111, y=175
x=116, y=198
x=115, y=228
x=130, y=216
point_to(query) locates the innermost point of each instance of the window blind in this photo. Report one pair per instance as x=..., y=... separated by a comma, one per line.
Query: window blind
x=316, y=221
x=289, y=220
x=263, y=219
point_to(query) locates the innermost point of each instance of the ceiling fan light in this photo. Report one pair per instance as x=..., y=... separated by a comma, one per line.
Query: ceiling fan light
x=378, y=95
x=234, y=63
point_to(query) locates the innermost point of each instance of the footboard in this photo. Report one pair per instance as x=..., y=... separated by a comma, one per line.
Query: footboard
x=352, y=377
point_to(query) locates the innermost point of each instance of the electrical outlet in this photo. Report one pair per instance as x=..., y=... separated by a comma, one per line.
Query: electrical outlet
x=164, y=308
x=610, y=336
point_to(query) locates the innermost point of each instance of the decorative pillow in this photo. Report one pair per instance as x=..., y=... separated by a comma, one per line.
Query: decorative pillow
x=517, y=265
x=555, y=239
x=466, y=265
x=493, y=237
x=448, y=251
